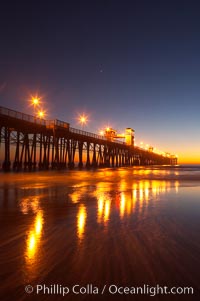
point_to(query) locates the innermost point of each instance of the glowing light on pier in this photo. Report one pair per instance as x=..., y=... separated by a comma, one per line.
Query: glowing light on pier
x=41, y=114
x=83, y=119
x=35, y=101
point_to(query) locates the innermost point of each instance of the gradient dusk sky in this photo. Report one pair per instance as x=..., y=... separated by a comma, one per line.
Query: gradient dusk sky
x=124, y=63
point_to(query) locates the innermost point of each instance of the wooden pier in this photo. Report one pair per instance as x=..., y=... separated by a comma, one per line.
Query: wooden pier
x=29, y=143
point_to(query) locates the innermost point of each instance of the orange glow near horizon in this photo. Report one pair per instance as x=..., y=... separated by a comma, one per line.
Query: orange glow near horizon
x=189, y=158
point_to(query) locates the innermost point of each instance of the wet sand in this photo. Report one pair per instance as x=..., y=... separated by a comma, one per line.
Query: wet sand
x=128, y=227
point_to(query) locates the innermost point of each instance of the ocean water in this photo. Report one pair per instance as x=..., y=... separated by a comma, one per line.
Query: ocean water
x=107, y=228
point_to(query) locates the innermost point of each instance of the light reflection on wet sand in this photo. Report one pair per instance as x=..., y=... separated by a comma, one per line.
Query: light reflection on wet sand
x=33, y=250
x=129, y=227
x=81, y=220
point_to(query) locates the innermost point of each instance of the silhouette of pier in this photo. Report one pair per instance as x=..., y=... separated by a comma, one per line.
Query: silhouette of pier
x=28, y=143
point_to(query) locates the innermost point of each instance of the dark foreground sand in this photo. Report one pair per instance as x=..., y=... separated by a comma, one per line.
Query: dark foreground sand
x=124, y=227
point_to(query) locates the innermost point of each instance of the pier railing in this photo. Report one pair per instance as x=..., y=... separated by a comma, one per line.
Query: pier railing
x=84, y=133
x=51, y=123
x=21, y=116
x=91, y=135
